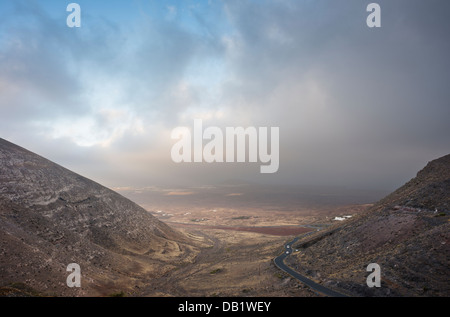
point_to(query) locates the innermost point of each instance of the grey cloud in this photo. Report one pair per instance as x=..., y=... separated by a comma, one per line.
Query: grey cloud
x=384, y=90
x=355, y=106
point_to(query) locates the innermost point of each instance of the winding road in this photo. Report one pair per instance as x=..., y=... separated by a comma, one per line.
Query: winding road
x=279, y=262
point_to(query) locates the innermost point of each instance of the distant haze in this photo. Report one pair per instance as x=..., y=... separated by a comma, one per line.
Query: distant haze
x=246, y=197
x=356, y=107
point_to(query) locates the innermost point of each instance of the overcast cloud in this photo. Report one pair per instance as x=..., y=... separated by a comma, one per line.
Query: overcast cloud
x=357, y=107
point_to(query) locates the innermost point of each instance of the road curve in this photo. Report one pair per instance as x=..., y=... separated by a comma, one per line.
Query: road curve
x=279, y=262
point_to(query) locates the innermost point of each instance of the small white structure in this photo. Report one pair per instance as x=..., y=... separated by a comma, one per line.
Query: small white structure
x=341, y=218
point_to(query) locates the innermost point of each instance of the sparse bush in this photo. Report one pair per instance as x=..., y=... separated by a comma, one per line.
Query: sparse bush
x=279, y=275
x=215, y=271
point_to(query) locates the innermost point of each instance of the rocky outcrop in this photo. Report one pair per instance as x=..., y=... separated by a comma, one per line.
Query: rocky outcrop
x=50, y=217
x=407, y=233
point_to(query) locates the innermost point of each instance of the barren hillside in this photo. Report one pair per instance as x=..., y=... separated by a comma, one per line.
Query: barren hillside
x=407, y=234
x=50, y=217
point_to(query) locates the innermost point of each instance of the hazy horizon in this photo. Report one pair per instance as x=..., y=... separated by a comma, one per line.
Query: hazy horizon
x=356, y=107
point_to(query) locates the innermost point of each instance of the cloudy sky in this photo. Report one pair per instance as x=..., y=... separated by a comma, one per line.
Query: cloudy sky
x=355, y=106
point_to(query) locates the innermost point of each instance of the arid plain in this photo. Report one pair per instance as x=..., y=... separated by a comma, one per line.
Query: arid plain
x=198, y=241
x=217, y=240
x=236, y=245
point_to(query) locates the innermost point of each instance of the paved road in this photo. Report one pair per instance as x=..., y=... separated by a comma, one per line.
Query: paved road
x=279, y=262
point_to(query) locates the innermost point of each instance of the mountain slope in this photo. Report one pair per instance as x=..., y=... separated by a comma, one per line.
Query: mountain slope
x=50, y=217
x=407, y=233
x=430, y=189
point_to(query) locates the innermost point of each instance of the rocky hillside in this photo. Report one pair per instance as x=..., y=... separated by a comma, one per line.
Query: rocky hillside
x=430, y=189
x=50, y=217
x=407, y=233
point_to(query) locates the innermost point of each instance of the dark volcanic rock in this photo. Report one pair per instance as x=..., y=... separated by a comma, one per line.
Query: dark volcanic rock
x=430, y=189
x=50, y=217
x=407, y=233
